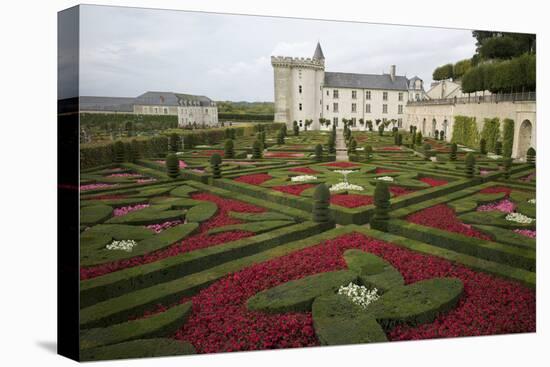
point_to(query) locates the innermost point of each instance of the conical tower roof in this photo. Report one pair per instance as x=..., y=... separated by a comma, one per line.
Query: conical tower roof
x=318, y=52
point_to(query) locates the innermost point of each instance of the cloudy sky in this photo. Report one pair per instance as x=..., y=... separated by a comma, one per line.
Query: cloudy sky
x=126, y=51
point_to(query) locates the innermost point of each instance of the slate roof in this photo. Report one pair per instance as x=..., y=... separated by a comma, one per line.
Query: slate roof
x=110, y=104
x=365, y=81
x=318, y=54
x=171, y=99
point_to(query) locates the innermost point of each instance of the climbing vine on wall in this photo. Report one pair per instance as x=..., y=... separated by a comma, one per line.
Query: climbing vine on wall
x=507, y=137
x=491, y=132
x=465, y=131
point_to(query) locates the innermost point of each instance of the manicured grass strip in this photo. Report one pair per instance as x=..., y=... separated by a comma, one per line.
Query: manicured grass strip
x=95, y=214
x=146, y=171
x=201, y=212
x=511, y=272
x=139, y=277
x=115, y=203
x=255, y=217
x=508, y=237
x=119, y=309
x=158, y=325
x=256, y=227
x=151, y=215
x=142, y=348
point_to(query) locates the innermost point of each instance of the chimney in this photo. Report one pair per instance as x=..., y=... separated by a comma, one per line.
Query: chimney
x=392, y=73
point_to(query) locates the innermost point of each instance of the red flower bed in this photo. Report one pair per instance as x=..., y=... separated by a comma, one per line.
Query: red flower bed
x=443, y=217
x=340, y=164
x=255, y=179
x=208, y=153
x=220, y=321
x=433, y=182
x=283, y=155
x=351, y=200
x=306, y=170
x=384, y=170
x=400, y=191
x=194, y=242
x=496, y=190
x=106, y=197
x=293, y=189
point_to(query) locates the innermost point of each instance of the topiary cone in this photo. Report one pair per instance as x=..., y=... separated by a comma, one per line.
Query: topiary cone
x=380, y=218
x=470, y=165
x=531, y=154
x=228, y=150
x=172, y=165
x=321, y=204
x=452, y=154
x=215, y=161
x=318, y=152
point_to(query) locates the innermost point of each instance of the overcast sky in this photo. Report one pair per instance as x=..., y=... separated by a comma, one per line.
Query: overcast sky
x=127, y=51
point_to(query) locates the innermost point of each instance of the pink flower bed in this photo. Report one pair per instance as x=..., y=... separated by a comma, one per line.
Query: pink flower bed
x=221, y=322
x=208, y=153
x=145, y=180
x=114, y=175
x=194, y=242
x=306, y=170
x=400, y=191
x=351, y=200
x=283, y=155
x=340, y=164
x=529, y=177
x=128, y=209
x=433, y=182
x=95, y=186
x=255, y=179
x=182, y=164
x=526, y=232
x=107, y=197
x=384, y=170
x=157, y=228
x=443, y=217
x=505, y=206
x=496, y=190
x=293, y=189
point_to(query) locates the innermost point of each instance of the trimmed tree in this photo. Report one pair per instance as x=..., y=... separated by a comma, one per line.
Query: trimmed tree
x=381, y=129
x=399, y=139
x=441, y=135
x=470, y=165
x=352, y=146
x=284, y=130
x=483, y=146
x=427, y=151
x=321, y=204
x=119, y=151
x=507, y=163
x=331, y=144
x=498, y=148
x=229, y=149
x=507, y=138
x=215, y=162
x=318, y=152
x=281, y=137
x=257, y=149
x=380, y=218
x=419, y=138
x=296, y=128
x=174, y=142
x=134, y=151
x=452, y=154
x=368, y=153
x=531, y=154
x=172, y=165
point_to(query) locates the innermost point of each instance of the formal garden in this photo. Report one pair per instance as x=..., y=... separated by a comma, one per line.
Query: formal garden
x=256, y=237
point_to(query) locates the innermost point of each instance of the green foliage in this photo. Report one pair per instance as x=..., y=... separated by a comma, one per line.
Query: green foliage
x=418, y=138
x=470, y=165
x=507, y=163
x=352, y=146
x=507, y=137
x=298, y=295
x=368, y=153
x=119, y=151
x=443, y=72
x=465, y=131
x=215, y=162
x=141, y=348
x=318, y=152
x=281, y=137
x=531, y=153
x=93, y=214
x=135, y=153
x=452, y=154
x=200, y=213
x=174, y=142
x=229, y=149
x=296, y=128
x=491, y=132
x=461, y=67
x=321, y=203
x=498, y=148
x=172, y=165
x=331, y=144
x=381, y=128
x=257, y=149
x=382, y=204
x=284, y=130
x=428, y=153
x=374, y=272
x=244, y=108
x=399, y=139
x=483, y=146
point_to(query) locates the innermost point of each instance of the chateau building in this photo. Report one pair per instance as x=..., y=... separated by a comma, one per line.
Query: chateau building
x=190, y=109
x=304, y=92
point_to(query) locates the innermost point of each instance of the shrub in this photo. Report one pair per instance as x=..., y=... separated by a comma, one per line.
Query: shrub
x=442, y=135
x=134, y=149
x=174, y=142
x=419, y=138
x=119, y=151
x=318, y=152
x=427, y=151
x=483, y=146
x=189, y=141
x=281, y=137
x=257, y=149
x=172, y=165
x=491, y=132
x=215, y=161
x=507, y=167
x=321, y=203
x=368, y=152
x=531, y=153
x=352, y=146
x=452, y=154
x=331, y=144
x=399, y=139
x=296, y=128
x=381, y=130
x=470, y=165
x=228, y=149
x=436, y=134
x=507, y=137
x=381, y=216
x=465, y=131
x=284, y=130
x=498, y=148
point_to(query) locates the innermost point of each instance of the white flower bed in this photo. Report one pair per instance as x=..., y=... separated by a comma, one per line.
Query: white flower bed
x=340, y=186
x=467, y=150
x=344, y=172
x=303, y=178
x=124, y=245
x=358, y=294
x=203, y=146
x=493, y=156
x=519, y=218
x=385, y=178
x=531, y=201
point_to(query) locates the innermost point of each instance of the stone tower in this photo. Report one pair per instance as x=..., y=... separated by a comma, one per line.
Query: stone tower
x=298, y=88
